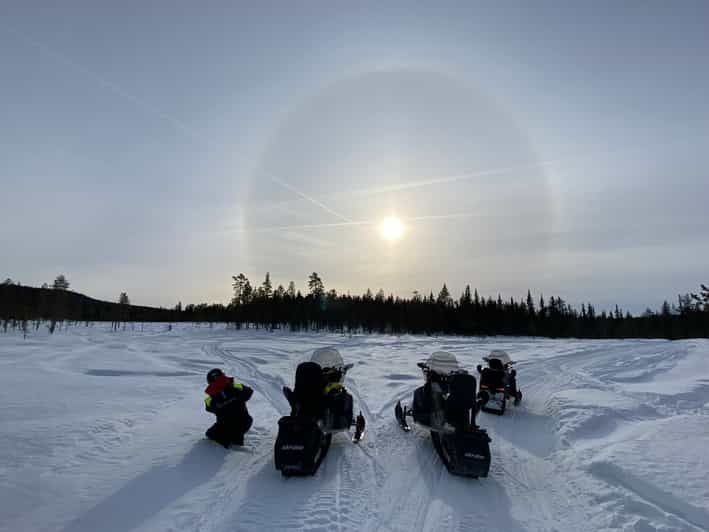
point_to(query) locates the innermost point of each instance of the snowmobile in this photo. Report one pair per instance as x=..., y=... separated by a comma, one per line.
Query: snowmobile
x=498, y=382
x=446, y=405
x=320, y=407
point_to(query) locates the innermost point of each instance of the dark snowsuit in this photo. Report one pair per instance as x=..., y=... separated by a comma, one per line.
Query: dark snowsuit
x=227, y=399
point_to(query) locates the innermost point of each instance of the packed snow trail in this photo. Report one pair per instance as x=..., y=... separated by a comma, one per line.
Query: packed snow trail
x=103, y=430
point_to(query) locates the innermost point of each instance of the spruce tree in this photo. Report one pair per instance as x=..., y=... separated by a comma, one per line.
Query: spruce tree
x=316, y=286
x=242, y=290
x=60, y=283
x=280, y=292
x=267, y=287
x=530, y=303
x=466, y=299
x=444, y=296
x=291, y=290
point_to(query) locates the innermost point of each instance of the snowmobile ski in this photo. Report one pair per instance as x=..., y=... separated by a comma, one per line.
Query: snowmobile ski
x=400, y=413
x=359, y=429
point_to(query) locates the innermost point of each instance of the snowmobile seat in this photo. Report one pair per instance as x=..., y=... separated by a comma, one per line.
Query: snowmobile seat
x=460, y=404
x=492, y=379
x=422, y=406
x=429, y=405
x=306, y=399
x=492, y=382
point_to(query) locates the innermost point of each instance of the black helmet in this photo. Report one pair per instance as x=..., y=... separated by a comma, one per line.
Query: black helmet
x=213, y=375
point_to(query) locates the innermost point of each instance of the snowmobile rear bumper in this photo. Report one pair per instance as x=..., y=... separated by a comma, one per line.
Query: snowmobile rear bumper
x=496, y=403
x=465, y=453
x=300, y=446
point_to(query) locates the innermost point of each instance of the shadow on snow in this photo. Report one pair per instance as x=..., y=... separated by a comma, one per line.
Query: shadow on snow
x=147, y=494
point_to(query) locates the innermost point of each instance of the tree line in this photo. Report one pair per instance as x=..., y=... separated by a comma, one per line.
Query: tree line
x=263, y=306
x=469, y=314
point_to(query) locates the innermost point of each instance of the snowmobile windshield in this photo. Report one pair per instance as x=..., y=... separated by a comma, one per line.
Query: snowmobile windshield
x=499, y=354
x=327, y=357
x=442, y=363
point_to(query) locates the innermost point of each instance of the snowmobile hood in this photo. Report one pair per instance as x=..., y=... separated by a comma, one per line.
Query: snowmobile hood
x=218, y=385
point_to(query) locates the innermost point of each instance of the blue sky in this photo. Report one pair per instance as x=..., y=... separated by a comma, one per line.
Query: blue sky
x=158, y=148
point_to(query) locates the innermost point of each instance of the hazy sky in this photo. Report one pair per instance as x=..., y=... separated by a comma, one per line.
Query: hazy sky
x=159, y=148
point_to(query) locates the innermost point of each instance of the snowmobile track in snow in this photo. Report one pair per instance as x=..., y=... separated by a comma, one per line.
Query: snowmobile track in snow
x=610, y=435
x=269, y=386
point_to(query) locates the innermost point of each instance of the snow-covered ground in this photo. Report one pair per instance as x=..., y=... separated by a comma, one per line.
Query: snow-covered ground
x=103, y=431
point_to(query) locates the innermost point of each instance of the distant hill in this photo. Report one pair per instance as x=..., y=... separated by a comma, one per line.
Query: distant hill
x=30, y=303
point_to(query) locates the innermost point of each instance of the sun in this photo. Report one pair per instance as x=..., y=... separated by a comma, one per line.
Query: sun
x=391, y=228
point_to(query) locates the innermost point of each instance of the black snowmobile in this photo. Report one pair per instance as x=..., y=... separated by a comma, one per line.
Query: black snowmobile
x=320, y=407
x=446, y=406
x=498, y=382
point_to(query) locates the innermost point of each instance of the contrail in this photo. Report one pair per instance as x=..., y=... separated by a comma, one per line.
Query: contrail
x=150, y=109
x=441, y=217
x=507, y=169
x=107, y=85
x=351, y=223
x=449, y=179
x=398, y=187
x=310, y=199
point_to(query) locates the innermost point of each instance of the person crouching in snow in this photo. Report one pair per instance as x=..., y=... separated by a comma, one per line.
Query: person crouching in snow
x=227, y=399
